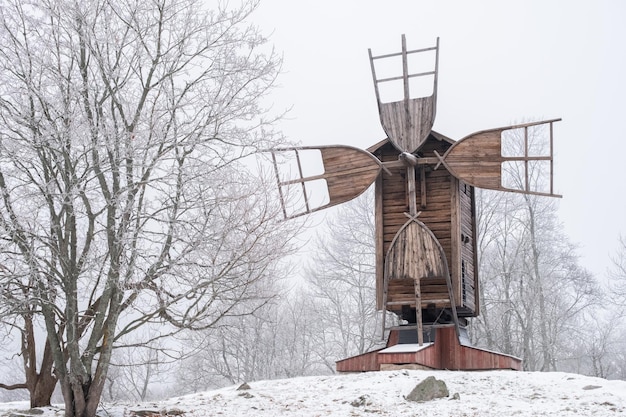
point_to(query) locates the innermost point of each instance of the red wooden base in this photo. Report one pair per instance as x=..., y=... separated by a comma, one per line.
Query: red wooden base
x=445, y=353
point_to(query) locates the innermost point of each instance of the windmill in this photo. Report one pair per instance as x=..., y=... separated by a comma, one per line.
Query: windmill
x=426, y=247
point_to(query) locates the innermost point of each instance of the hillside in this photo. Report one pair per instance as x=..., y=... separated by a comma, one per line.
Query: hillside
x=491, y=393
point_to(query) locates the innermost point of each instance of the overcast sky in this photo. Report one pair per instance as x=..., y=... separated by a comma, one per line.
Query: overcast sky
x=500, y=62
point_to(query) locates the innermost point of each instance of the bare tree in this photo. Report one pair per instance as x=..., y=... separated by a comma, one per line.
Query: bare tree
x=617, y=275
x=533, y=290
x=276, y=342
x=123, y=199
x=138, y=373
x=12, y=366
x=599, y=343
x=18, y=315
x=328, y=314
x=341, y=283
x=593, y=352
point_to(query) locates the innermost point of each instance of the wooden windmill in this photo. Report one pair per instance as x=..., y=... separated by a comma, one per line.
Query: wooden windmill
x=426, y=268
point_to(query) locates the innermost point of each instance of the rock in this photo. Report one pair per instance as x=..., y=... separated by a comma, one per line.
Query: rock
x=156, y=413
x=243, y=386
x=455, y=396
x=360, y=402
x=32, y=411
x=429, y=389
x=590, y=387
x=145, y=413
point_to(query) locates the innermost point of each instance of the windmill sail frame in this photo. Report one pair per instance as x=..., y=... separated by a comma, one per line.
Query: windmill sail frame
x=408, y=122
x=478, y=159
x=348, y=171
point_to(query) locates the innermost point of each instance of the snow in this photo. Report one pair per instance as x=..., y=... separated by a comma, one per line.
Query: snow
x=482, y=393
x=406, y=348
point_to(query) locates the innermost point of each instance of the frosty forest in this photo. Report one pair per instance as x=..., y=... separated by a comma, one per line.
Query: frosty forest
x=141, y=257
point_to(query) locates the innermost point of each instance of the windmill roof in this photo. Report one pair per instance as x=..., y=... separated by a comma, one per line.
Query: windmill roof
x=435, y=135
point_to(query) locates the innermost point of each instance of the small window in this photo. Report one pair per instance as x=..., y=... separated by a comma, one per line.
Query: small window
x=463, y=269
x=463, y=280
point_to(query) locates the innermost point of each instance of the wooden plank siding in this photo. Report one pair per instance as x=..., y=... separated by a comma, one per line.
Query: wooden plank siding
x=365, y=362
x=448, y=213
x=446, y=353
x=468, y=272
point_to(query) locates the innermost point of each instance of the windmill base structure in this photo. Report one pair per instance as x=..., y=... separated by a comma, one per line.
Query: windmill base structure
x=425, y=216
x=445, y=351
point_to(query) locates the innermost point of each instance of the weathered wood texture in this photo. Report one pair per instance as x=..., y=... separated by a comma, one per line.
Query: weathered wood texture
x=414, y=253
x=408, y=122
x=446, y=353
x=433, y=292
x=360, y=363
x=478, y=159
x=455, y=356
x=467, y=270
x=446, y=212
x=348, y=172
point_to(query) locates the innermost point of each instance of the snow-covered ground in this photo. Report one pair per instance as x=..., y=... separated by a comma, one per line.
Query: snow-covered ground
x=489, y=393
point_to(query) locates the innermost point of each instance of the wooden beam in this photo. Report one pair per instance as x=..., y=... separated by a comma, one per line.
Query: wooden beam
x=410, y=177
x=423, y=185
x=418, y=311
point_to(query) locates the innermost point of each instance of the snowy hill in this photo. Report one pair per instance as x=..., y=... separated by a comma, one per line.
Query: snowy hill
x=490, y=393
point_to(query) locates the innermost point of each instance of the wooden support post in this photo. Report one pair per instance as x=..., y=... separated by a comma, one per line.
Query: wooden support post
x=423, y=185
x=411, y=160
x=410, y=175
x=418, y=311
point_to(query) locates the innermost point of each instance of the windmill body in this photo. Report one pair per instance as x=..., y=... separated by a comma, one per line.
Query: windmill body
x=426, y=249
x=446, y=208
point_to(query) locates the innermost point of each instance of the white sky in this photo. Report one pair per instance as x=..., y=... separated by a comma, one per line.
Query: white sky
x=499, y=63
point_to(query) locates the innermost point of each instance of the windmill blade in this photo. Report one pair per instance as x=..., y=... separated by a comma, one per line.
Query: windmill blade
x=345, y=173
x=407, y=122
x=517, y=158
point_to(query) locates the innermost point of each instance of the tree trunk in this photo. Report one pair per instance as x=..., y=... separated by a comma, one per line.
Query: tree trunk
x=81, y=399
x=545, y=342
x=40, y=384
x=45, y=381
x=41, y=394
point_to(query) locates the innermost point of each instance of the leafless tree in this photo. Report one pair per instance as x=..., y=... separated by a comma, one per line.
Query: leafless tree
x=594, y=349
x=20, y=316
x=599, y=343
x=617, y=275
x=138, y=373
x=125, y=201
x=341, y=281
x=533, y=290
x=325, y=314
x=12, y=365
x=276, y=342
